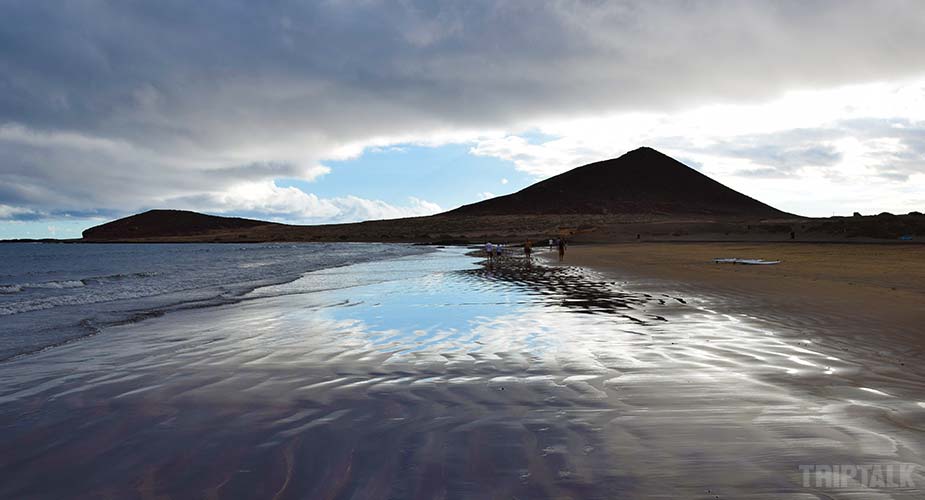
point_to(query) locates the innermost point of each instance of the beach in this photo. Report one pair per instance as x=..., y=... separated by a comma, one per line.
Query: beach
x=434, y=375
x=880, y=287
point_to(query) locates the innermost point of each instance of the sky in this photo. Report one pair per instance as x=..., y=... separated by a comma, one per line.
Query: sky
x=335, y=111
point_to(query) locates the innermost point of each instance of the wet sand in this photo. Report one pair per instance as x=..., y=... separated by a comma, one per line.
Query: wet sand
x=435, y=377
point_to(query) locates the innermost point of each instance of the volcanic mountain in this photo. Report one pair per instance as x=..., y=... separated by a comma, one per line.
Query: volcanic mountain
x=643, y=181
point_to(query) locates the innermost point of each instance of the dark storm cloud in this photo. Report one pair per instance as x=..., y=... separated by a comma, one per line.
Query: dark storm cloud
x=120, y=104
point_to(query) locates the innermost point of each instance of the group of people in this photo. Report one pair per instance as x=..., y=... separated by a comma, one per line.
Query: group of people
x=495, y=251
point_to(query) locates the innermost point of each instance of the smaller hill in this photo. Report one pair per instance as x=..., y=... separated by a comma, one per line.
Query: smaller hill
x=166, y=223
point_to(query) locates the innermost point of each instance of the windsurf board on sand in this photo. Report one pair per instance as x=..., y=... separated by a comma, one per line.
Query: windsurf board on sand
x=751, y=262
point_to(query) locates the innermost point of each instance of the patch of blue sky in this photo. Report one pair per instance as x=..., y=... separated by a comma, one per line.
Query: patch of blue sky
x=534, y=136
x=38, y=229
x=447, y=175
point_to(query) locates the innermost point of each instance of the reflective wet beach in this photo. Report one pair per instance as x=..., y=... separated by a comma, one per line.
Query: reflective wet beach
x=433, y=377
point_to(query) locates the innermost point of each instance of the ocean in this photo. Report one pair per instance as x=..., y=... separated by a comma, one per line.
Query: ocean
x=51, y=294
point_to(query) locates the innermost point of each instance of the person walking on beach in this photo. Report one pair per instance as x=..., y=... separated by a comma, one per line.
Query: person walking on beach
x=528, y=249
x=561, y=249
x=490, y=251
x=551, y=242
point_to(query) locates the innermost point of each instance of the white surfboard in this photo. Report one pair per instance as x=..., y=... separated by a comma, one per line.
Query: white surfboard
x=750, y=262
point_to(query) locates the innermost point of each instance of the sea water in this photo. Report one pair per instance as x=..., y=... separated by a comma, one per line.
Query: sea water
x=55, y=293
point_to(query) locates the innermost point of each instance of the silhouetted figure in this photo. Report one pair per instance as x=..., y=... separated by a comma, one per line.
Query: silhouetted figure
x=528, y=249
x=793, y=235
x=490, y=250
x=561, y=249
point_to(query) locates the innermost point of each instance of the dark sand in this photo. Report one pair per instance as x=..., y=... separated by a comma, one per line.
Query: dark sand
x=431, y=377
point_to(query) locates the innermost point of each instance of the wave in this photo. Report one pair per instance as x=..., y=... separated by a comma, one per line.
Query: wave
x=73, y=283
x=20, y=287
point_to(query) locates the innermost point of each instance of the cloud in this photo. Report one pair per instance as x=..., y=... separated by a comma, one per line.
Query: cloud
x=896, y=145
x=504, y=181
x=16, y=213
x=777, y=156
x=266, y=199
x=99, y=118
x=76, y=172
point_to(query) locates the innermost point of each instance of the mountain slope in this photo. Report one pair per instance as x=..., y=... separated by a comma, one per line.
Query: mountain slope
x=643, y=181
x=161, y=223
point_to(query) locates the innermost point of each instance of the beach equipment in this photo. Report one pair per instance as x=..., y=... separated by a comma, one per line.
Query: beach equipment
x=751, y=262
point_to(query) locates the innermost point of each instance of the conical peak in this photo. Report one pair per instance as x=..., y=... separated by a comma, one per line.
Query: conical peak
x=642, y=181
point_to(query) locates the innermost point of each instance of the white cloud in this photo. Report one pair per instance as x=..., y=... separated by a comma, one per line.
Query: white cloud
x=8, y=212
x=266, y=199
x=485, y=195
x=504, y=181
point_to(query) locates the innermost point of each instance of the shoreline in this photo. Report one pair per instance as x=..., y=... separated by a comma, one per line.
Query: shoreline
x=94, y=304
